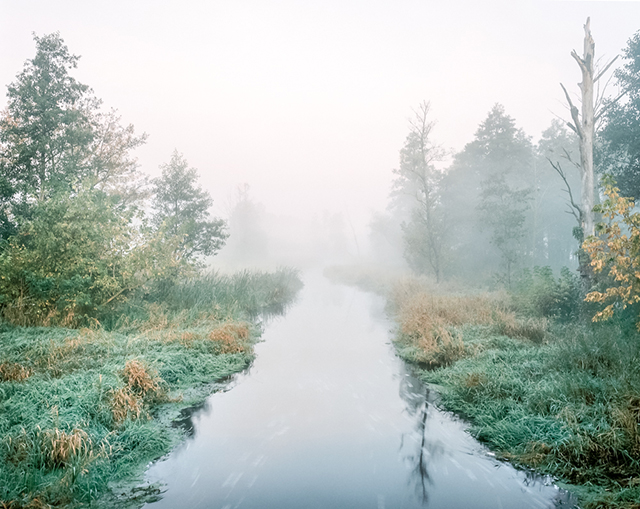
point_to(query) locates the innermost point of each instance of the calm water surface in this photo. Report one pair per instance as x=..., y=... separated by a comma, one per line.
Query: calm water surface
x=328, y=417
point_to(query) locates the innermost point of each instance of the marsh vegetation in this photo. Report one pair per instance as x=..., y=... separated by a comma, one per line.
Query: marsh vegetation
x=84, y=409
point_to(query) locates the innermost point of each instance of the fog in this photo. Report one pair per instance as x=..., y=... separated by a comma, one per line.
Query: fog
x=308, y=104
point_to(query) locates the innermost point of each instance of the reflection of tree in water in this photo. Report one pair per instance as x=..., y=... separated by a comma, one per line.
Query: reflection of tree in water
x=416, y=396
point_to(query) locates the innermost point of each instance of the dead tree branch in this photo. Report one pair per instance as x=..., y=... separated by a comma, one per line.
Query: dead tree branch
x=576, y=211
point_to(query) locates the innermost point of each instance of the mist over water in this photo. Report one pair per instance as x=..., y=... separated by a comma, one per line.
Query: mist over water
x=328, y=416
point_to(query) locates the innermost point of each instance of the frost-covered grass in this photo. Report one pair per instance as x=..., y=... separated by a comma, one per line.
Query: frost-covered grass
x=569, y=407
x=81, y=410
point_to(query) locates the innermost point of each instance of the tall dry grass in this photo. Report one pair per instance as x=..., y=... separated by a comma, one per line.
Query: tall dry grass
x=231, y=337
x=13, y=372
x=142, y=386
x=428, y=320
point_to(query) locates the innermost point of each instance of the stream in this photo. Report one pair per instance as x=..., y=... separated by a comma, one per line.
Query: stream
x=328, y=417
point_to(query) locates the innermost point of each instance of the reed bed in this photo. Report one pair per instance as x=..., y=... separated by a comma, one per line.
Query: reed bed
x=429, y=324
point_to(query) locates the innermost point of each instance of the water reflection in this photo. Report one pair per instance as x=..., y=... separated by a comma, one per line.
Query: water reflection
x=418, y=408
x=421, y=471
x=326, y=417
x=442, y=455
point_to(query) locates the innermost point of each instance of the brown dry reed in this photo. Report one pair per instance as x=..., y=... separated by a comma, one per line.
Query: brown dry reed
x=428, y=321
x=140, y=384
x=60, y=447
x=13, y=372
x=138, y=378
x=231, y=337
x=55, y=448
x=125, y=404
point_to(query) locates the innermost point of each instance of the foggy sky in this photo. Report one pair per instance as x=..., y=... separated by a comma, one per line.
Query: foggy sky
x=308, y=101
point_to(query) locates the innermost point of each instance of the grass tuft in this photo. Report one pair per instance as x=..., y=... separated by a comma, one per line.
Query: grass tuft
x=231, y=337
x=125, y=405
x=138, y=378
x=13, y=372
x=60, y=447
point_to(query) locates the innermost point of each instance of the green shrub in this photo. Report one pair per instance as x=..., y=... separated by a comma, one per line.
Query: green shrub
x=538, y=293
x=76, y=258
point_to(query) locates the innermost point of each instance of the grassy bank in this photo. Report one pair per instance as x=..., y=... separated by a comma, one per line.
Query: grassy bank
x=541, y=386
x=82, y=410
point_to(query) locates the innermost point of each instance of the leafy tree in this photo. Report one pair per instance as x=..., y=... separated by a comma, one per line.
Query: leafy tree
x=109, y=166
x=620, y=136
x=46, y=127
x=503, y=211
x=491, y=175
x=181, y=210
x=616, y=249
x=72, y=240
x=53, y=138
x=417, y=181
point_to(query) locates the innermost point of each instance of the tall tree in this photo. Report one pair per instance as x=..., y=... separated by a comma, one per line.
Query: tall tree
x=109, y=166
x=503, y=211
x=417, y=180
x=620, y=154
x=584, y=125
x=54, y=139
x=492, y=172
x=46, y=129
x=181, y=209
x=555, y=212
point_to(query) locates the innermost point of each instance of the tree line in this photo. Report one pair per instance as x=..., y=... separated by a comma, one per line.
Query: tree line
x=505, y=203
x=81, y=228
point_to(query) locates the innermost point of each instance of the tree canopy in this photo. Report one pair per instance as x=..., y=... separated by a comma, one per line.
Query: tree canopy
x=181, y=209
x=620, y=136
x=46, y=129
x=486, y=190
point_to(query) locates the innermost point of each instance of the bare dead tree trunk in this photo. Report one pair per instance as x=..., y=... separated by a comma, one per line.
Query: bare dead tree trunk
x=583, y=125
x=586, y=64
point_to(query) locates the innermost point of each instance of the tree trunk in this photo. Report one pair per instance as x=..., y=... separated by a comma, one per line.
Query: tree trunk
x=583, y=125
x=586, y=140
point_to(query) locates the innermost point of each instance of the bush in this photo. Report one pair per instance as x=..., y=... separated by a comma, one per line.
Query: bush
x=538, y=293
x=75, y=259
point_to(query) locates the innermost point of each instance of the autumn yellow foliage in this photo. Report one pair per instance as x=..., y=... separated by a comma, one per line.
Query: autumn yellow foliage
x=616, y=249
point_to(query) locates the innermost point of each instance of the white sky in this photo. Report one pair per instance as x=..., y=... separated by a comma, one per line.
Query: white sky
x=308, y=101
